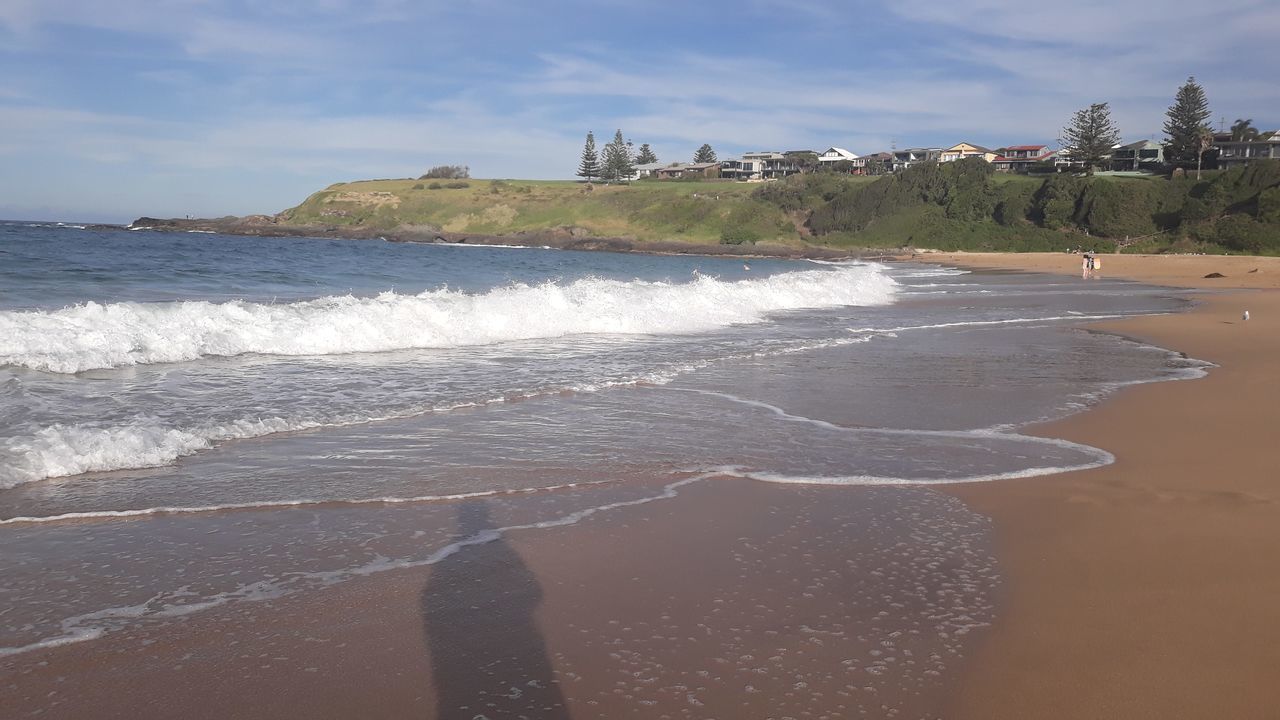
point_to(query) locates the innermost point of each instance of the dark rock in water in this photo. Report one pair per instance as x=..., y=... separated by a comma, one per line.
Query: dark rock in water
x=1215, y=275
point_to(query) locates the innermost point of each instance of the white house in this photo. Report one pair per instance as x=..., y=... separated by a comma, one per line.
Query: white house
x=833, y=155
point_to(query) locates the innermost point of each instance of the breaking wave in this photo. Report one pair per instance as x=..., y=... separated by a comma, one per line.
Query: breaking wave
x=95, y=336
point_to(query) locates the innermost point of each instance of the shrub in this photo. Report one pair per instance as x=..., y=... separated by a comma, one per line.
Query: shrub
x=456, y=185
x=434, y=186
x=1243, y=233
x=739, y=234
x=417, y=186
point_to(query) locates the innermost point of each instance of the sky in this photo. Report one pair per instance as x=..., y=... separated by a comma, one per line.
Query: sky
x=113, y=109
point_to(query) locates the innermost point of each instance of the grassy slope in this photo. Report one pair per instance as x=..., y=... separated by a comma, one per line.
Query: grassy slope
x=957, y=207
x=683, y=211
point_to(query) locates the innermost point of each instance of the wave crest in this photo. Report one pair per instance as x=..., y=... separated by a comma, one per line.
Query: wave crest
x=95, y=336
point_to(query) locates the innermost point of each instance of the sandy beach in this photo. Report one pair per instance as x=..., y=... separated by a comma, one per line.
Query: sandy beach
x=1147, y=588
x=1144, y=588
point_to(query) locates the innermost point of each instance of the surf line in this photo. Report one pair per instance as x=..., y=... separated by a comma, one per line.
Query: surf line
x=96, y=624
x=1101, y=457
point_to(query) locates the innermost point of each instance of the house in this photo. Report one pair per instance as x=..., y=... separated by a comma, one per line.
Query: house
x=773, y=165
x=680, y=171
x=1141, y=155
x=903, y=159
x=1234, y=153
x=963, y=150
x=743, y=169
x=702, y=170
x=880, y=163
x=1020, y=158
x=645, y=170
x=833, y=155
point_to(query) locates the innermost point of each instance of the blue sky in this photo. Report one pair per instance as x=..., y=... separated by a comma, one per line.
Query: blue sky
x=111, y=109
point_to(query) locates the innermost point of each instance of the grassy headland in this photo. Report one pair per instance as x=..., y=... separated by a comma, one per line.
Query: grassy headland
x=951, y=206
x=690, y=212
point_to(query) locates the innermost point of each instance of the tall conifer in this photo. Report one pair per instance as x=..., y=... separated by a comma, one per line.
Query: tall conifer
x=1090, y=136
x=646, y=155
x=590, y=166
x=1187, y=123
x=705, y=154
x=617, y=159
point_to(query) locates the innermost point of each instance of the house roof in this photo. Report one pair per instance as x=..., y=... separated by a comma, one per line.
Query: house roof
x=700, y=166
x=841, y=152
x=651, y=166
x=1026, y=147
x=1042, y=156
x=979, y=148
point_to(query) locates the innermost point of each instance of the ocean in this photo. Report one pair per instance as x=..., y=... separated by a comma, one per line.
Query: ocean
x=191, y=423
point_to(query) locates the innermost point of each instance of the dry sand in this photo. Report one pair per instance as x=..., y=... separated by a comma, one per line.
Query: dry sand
x=1149, y=588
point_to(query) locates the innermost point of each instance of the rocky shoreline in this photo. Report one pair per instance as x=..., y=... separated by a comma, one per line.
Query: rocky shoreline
x=559, y=238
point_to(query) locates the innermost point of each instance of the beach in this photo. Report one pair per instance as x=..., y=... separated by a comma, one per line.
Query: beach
x=572, y=503
x=1147, y=588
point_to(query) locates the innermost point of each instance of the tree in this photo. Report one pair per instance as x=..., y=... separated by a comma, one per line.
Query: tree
x=1244, y=131
x=447, y=172
x=1186, y=123
x=804, y=160
x=646, y=155
x=1090, y=136
x=617, y=159
x=705, y=154
x=1205, y=141
x=590, y=165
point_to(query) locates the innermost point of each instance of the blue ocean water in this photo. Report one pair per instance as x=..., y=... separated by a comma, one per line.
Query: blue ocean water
x=323, y=397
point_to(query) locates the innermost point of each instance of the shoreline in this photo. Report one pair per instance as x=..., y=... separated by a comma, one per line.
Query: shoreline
x=1129, y=590
x=1146, y=588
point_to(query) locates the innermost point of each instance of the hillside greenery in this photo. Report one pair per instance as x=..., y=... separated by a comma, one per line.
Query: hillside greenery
x=965, y=205
x=950, y=206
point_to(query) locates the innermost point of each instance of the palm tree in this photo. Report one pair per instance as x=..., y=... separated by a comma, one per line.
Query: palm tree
x=1206, y=142
x=1244, y=131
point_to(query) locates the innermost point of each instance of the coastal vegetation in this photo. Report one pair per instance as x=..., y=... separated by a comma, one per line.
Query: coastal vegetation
x=961, y=205
x=966, y=206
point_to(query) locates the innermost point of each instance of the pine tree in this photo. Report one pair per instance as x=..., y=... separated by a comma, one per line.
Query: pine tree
x=646, y=155
x=1186, y=125
x=617, y=159
x=590, y=166
x=1090, y=136
x=705, y=154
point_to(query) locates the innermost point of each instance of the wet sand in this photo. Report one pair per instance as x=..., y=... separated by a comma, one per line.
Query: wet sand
x=734, y=599
x=1147, y=589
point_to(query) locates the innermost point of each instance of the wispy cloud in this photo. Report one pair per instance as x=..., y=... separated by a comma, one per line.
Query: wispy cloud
x=299, y=93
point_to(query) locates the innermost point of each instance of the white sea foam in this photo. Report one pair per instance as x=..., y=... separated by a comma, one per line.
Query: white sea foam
x=982, y=323
x=62, y=450
x=90, y=515
x=93, y=335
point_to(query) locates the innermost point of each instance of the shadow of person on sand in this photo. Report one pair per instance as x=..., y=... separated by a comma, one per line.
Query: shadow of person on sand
x=488, y=659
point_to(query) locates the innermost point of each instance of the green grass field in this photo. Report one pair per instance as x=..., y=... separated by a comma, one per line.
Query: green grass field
x=646, y=210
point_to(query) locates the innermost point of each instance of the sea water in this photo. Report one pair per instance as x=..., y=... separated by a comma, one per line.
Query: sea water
x=328, y=398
